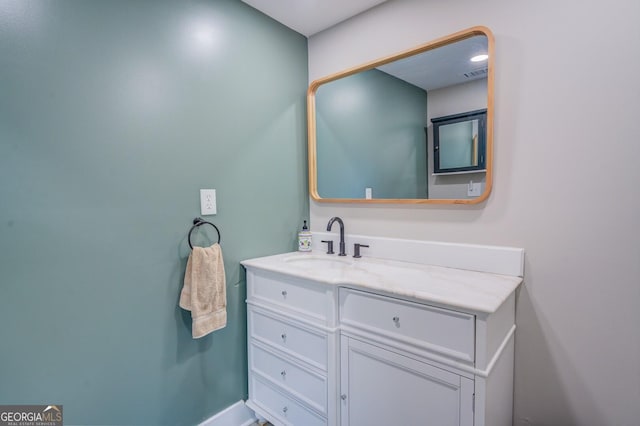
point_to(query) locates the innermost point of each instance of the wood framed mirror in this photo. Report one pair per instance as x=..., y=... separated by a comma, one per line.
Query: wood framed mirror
x=370, y=133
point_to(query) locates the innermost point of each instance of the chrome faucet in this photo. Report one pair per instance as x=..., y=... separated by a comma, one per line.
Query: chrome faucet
x=330, y=224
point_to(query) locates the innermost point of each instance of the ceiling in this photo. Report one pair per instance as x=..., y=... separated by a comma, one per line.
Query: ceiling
x=309, y=17
x=442, y=67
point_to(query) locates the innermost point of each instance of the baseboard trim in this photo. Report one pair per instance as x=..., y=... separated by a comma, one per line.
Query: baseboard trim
x=237, y=414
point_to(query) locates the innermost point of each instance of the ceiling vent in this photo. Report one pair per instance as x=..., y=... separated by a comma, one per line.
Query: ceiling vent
x=481, y=72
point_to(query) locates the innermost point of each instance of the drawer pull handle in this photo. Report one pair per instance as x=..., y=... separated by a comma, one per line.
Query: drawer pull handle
x=284, y=336
x=343, y=397
x=396, y=319
x=283, y=373
x=284, y=293
x=285, y=409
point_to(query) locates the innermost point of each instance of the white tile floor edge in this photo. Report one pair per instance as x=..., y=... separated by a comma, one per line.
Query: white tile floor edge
x=237, y=414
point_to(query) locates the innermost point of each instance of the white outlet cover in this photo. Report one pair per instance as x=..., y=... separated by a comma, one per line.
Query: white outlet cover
x=474, y=189
x=367, y=193
x=208, y=205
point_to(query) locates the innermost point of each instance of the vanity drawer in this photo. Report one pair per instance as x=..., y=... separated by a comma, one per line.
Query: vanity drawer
x=282, y=407
x=299, y=341
x=440, y=330
x=304, y=384
x=294, y=294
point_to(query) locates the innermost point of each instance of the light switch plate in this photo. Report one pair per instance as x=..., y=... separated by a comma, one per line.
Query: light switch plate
x=208, y=202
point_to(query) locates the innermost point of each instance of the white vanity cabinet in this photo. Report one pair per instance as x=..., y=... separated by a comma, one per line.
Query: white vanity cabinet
x=381, y=387
x=289, y=349
x=386, y=376
x=409, y=362
x=346, y=347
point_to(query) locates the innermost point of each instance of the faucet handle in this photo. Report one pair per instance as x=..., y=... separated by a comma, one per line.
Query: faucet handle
x=329, y=246
x=356, y=249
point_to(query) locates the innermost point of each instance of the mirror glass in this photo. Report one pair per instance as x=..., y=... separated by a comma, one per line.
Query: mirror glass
x=371, y=128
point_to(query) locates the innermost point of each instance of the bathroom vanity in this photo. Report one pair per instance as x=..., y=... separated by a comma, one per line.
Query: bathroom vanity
x=378, y=341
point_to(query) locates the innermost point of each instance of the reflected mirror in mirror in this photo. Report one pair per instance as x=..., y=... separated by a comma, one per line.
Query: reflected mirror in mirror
x=459, y=142
x=371, y=128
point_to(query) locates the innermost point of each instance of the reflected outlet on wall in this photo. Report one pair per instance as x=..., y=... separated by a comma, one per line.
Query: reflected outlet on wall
x=208, y=201
x=367, y=193
x=474, y=189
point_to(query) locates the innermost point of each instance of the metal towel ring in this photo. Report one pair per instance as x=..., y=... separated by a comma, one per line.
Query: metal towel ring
x=197, y=222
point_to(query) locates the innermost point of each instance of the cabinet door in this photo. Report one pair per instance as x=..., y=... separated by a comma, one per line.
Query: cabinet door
x=381, y=387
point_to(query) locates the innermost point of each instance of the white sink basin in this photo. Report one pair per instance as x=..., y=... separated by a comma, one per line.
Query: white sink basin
x=319, y=262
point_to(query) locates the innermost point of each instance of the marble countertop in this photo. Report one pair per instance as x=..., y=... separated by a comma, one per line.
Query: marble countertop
x=456, y=288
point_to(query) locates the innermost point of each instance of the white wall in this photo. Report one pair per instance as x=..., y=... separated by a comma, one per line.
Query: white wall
x=567, y=187
x=450, y=100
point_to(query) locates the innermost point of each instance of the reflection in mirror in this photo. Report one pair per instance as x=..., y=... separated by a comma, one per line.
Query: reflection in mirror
x=459, y=142
x=371, y=137
x=370, y=129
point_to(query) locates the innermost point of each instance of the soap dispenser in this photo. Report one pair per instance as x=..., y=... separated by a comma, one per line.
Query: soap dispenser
x=304, y=238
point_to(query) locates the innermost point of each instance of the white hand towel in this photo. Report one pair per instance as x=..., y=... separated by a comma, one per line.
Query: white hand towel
x=205, y=291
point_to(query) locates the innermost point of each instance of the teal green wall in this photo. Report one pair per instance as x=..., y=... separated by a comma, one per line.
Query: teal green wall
x=370, y=132
x=113, y=114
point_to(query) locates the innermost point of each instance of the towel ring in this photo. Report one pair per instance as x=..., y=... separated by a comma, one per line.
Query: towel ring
x=197, y=222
